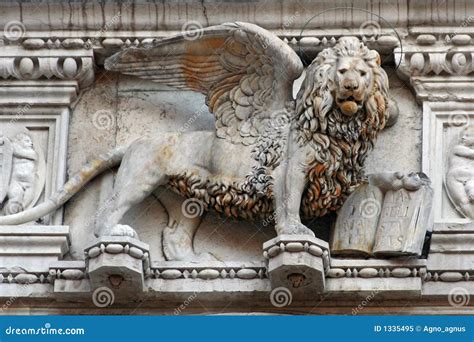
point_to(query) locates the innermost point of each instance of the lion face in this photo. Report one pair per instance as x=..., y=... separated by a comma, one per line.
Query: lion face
x=353, y=80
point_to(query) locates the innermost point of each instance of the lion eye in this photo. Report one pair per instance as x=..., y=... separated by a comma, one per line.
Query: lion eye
x=363, y=73
x=342, y=71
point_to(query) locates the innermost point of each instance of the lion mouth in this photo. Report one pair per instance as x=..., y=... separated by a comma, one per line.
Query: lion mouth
x=349, y=105
x=348, y=98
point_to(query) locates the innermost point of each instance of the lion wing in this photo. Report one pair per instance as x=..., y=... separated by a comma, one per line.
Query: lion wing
x=245, y=72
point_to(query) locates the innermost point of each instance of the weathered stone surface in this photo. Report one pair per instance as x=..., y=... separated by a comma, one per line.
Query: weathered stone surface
x=299, y=271
x=383, y=288
x=45, y=70
x=115, y=269
x=357, y=221
x=32, y=247
x=460, y=172
x=263, y=141
x=387, y=216
x=22, y=171
x=405, y=218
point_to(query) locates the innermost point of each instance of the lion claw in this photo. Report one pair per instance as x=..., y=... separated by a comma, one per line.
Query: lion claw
x=123, y=230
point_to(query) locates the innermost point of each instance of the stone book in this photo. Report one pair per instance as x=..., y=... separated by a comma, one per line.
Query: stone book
x=384, y=221
x=402, y=222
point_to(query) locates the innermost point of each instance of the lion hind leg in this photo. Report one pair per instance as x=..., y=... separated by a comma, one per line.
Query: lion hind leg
x=129, y=191
x=120, y=205
x=178, y=235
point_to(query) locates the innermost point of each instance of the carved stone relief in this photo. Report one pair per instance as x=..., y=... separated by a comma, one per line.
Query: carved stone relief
x=265, y=147
x=447, y=160
x=268, y=158
x=387, y=216
x=357, y=221
x=22, y=171
x=460, y=172
x=33, y=165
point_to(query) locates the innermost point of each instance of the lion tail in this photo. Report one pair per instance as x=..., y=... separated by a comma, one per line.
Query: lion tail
x=72, y=187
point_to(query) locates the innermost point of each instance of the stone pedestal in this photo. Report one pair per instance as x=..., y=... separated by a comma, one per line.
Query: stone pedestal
x=26, y=253
x=119, y=264
x=32, y=248
x=297, y=263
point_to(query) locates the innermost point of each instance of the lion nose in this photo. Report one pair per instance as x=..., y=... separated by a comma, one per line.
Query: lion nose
x=351, y=85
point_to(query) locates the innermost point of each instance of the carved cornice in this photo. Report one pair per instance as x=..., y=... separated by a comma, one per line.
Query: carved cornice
x=30, y=65
x=51, y=77
x=104, y=44
x=441, y=54
x=438, y=63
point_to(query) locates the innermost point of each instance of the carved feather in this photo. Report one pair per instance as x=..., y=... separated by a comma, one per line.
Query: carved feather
x=237, y=66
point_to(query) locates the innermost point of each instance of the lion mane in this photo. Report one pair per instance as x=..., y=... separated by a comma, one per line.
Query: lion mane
x=341, y=143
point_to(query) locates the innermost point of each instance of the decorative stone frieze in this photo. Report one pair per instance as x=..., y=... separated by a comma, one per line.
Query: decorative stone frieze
x=211, y=271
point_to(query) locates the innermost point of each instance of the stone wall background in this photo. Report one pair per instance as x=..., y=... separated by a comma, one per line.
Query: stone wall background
x=398, y=148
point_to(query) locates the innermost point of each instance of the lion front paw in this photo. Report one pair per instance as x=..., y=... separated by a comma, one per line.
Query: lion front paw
x=123, y=230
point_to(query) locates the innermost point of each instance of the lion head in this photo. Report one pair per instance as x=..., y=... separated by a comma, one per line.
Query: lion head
x=340, y=108
x=346, y=79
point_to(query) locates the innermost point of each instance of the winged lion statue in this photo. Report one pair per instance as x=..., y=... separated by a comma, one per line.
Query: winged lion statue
x=270, y=155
